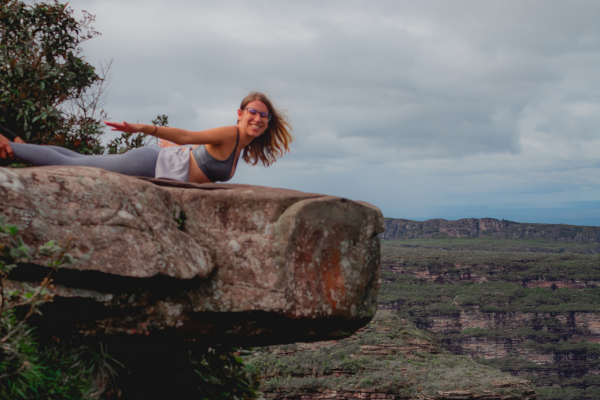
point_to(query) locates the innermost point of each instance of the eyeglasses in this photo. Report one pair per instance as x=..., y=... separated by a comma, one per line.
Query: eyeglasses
x=263, y=115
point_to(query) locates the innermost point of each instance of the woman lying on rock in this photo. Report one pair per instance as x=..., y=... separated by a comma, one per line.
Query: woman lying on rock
x=261, y=134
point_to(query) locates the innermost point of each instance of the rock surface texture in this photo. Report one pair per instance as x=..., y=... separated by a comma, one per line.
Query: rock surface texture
x=249, y=264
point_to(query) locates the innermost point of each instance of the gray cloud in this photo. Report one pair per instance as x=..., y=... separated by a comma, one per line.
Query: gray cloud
x=405, y=104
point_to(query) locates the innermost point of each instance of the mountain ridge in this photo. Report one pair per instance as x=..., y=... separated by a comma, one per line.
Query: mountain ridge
x=438, y=228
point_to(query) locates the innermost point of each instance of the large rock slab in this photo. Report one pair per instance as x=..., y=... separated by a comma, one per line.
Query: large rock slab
x=213, y=262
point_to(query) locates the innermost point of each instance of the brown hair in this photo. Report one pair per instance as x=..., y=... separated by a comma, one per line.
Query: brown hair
x=274, y=142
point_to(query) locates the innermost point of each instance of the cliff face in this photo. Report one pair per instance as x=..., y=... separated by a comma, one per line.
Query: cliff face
x=387, y=360
x=493, y=335
x=487, y=227
x=533, y=314
x=246, y=264
x=551, y=349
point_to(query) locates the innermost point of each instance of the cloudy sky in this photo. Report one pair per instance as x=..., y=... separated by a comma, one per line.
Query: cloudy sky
x=426, y=109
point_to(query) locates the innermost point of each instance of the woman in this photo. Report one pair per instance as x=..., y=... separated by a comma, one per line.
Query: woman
x=262, y=134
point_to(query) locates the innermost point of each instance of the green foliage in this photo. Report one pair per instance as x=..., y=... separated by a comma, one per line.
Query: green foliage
x=161, y=120
x=531, y=246
x=29, y=369
x=487, y=297
x=501, y=335
x=125, y=142
x=568, y=393
x=552, y=383
x=490, y=281
x=40, y=66
x=49, y=94
x=180, y=219
x=80, y=133
x=414, y=365
x=129, y=141
x=224, y=374
x=494, y=282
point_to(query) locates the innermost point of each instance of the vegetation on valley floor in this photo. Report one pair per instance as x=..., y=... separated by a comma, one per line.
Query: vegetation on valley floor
x=528, y=245
x=485, y=278
x=389, y=355
x=459, y=264
x=425, y=298
x=552, y=381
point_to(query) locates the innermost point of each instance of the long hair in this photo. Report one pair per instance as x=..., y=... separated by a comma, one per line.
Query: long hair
x=275, y=140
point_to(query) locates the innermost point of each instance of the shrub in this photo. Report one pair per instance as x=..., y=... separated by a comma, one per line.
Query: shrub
x=28, y=368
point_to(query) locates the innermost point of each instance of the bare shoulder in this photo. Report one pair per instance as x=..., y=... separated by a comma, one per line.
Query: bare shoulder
x=215, y=136
x=227, y=134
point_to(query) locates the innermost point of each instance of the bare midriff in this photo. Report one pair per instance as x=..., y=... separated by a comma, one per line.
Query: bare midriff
x=196, y=175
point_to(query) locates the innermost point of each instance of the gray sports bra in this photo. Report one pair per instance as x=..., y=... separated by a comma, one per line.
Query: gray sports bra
x=216, y=170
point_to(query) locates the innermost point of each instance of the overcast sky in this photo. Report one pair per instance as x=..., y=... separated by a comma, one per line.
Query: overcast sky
x=426, y=109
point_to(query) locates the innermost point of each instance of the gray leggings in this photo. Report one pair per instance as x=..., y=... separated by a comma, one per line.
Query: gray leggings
x=136, y=162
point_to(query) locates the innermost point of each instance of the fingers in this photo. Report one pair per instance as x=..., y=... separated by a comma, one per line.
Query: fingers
x=114, y=125
x=111, y=124
x=5, y=149
x=118, y=126
x=122, y=126
x=6, y=152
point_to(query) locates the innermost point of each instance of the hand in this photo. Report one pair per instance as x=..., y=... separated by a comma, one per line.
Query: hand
x=124, y=126
x=5, y=150
x=166, y=143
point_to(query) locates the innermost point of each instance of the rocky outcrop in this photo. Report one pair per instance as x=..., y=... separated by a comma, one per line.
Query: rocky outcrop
x=223, y=262
x=487, y=227
x=387, y=360
x=483, y=340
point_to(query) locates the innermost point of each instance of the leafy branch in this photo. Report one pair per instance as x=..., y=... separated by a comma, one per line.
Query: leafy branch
x=14, y=250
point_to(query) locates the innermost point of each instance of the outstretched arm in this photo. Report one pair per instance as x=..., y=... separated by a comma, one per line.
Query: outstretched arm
x=215, y=136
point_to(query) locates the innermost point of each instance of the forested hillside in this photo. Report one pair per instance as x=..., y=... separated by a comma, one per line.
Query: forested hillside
x=529, y=305
x=390, y=359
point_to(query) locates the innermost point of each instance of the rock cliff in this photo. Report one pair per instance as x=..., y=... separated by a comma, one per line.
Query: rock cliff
x=533, y=314
x=214, y=262
x=487, y=227
x=389, y=359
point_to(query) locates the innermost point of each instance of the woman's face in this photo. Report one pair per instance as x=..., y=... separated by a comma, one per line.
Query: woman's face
x=255, y=124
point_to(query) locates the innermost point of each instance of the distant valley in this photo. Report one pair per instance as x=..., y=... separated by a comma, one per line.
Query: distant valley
x=524, y=298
